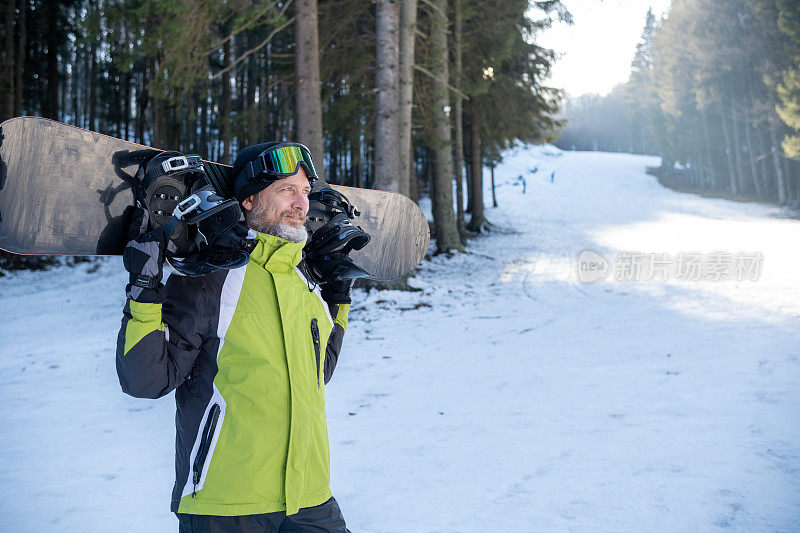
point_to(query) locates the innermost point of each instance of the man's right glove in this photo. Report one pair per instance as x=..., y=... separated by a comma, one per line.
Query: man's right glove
x=144, y=259
x=333, y=237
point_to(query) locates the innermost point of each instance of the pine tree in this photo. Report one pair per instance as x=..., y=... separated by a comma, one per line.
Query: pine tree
x=789, y=88
x=387, y=98
x=309, y=103
x=408, y=27
x=644, y=101
x=447, y=238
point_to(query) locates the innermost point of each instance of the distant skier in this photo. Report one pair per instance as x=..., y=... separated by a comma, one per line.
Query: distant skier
x=248, y=352
x=553, y=177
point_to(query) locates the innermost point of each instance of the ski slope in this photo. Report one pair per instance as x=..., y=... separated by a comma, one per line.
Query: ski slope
x=505, y=395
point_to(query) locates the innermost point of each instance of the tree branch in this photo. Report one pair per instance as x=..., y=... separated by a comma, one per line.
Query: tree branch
x=247, y=25
x=254, y=49
x=435, y=8
x=429, y=73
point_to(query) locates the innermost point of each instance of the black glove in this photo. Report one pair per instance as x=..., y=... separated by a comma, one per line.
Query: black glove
x=144, y=259
x=337, y=292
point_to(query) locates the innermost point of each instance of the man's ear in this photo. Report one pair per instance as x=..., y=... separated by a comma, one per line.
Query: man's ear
x=247, y=203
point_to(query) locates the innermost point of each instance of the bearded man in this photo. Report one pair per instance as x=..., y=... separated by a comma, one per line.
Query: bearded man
x=248, y=352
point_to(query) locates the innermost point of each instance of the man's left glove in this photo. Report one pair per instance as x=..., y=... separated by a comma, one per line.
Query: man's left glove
x=144, y=259
x=337, y=292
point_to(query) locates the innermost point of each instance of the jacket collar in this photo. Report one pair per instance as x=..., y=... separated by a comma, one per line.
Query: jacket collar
x=273, y=253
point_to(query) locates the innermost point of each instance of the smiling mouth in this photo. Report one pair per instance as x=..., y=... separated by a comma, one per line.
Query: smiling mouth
x=294, y=216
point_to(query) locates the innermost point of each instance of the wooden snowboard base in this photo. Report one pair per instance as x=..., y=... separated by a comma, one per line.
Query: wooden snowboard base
x=64, y=190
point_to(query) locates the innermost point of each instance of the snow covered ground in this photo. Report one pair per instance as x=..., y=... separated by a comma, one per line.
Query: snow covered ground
x=506, y=395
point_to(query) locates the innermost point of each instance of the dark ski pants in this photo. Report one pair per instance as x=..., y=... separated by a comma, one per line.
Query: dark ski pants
x=325, y=518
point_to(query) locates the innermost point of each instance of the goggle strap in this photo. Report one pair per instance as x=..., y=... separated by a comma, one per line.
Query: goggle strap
x=252, y=168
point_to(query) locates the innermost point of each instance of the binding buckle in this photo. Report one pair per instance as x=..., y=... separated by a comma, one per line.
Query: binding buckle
x=186, y=206
x=180, y=162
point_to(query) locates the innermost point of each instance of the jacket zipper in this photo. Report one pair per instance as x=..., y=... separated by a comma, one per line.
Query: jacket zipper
x=315, y=336
x=205, y=444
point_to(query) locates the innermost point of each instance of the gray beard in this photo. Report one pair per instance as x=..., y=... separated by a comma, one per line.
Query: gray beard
x=286, y=232
x=254, y=219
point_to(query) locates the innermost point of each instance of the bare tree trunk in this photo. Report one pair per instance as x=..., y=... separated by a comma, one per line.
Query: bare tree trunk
x=477, y=221
x=118, y=95
x=243, y=97
x=8, y=92
x=238, y=100
x=142, y=101
x=428, y=181
x=459, y=122
x=413, y=184
x=288, y=126
x=468, y=164
x=494, y=196
x=87, y=83
x=768, y=187
x=333, y=154
x=204, y=121
x=353, y=155
x=263, y=98
x=75, y=105
x=226, y=105
x=252, y=84
x=308, y=98
x=756, y=179
x=737, y=148
x=447, y=237
x=728, y=155
x=180, y=123
x=92, y=89
x=387, y=126
x=126, y=108
x=796, y=182
x=408, y=27
x=707, y=143
x=777, y=153
x=785, y=163
x=22, y=47
x=358, y=160
x=157, y=111
x=274, y=112
x=52, y=69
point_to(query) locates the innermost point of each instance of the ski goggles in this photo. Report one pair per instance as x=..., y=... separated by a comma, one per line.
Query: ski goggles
x=278, y=162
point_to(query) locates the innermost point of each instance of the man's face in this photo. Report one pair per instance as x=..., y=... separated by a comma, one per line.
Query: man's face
x=284, y=202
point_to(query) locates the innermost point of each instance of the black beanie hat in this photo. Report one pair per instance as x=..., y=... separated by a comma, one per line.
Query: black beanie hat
x=241, y=186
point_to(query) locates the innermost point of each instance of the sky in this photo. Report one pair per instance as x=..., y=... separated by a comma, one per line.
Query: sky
x=596, y=51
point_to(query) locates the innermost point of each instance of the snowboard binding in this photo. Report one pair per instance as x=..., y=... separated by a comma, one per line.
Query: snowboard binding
x=333, y=236
x=177, y=192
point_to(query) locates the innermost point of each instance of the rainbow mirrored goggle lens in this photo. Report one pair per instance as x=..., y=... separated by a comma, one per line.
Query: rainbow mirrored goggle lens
x=282, y=161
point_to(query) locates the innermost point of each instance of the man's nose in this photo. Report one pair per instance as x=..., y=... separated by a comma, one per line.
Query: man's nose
x=300, y=202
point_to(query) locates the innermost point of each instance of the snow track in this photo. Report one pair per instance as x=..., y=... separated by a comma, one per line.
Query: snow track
x=505, y=395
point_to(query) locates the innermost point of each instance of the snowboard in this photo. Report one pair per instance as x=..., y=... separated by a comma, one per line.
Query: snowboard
x=64, y=191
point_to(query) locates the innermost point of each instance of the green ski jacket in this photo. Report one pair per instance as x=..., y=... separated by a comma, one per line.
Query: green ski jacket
x=249, y=352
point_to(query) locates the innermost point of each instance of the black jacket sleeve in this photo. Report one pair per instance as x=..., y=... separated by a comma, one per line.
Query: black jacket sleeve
x=158, y=343
x=339, y=313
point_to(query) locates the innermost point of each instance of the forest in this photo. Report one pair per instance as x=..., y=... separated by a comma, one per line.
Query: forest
x=715, y=91
x=402, y=95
